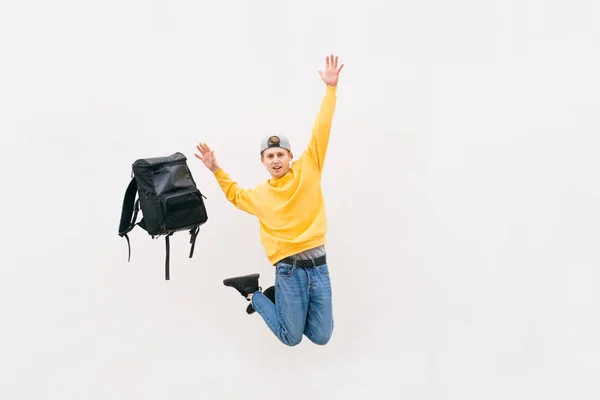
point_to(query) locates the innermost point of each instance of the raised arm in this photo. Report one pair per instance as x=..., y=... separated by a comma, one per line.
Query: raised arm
x=319, y=141
x=239, y=197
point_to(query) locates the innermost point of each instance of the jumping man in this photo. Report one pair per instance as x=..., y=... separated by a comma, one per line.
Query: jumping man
x=291, y=211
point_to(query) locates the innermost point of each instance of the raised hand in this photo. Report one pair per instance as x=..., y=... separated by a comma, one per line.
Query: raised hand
x=332, y=71
x=207, y=156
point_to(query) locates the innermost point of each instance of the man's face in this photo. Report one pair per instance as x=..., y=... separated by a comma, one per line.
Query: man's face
x=277, y=161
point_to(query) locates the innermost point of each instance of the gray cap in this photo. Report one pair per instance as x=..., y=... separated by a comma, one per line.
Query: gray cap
x=274, y=141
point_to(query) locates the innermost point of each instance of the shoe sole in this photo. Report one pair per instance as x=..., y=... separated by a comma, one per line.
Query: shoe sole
x=229, y=281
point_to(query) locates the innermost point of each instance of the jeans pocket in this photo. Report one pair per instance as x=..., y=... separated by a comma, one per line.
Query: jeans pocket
x=323, y=269
x=284, y=270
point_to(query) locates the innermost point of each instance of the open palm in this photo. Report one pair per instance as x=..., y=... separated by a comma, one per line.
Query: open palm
x=332, y=71
x=207, y=156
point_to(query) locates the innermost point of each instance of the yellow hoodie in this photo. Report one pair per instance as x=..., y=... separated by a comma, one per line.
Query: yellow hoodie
x=290, y=209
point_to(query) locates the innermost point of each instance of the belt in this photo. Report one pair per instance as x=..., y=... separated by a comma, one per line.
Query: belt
x=304, y=263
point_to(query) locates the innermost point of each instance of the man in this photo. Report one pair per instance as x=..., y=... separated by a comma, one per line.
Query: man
x=291, y=212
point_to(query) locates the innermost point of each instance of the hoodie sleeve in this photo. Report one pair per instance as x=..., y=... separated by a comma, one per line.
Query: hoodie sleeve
x=239, y=197
x=319, y=141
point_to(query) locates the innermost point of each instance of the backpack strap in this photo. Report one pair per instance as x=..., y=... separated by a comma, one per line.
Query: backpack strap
x=129, y=213
x=193, y=235
x=168, y=252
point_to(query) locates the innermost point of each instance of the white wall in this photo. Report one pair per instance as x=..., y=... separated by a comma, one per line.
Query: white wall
x=463, y=242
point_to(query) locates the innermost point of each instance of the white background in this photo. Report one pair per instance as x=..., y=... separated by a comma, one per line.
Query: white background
x=462, y=190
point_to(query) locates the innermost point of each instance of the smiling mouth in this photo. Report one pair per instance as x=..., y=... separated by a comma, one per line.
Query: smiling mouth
x=276, y=168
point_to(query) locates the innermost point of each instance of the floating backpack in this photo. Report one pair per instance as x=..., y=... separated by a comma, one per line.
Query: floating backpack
x=168, y=198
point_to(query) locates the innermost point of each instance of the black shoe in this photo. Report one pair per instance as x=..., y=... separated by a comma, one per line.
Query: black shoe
x=244, y=284
x=269, y=292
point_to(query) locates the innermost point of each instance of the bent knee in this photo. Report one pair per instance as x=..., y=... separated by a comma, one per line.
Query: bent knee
x=291, y=340
x=320, y=339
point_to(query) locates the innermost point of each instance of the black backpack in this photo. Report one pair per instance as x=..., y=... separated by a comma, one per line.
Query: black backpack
x=168, y=198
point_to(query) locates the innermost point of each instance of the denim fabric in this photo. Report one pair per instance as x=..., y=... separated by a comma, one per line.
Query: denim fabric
x=302, y=306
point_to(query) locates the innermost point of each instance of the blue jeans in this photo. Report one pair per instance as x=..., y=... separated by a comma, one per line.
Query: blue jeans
x=302, y=304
